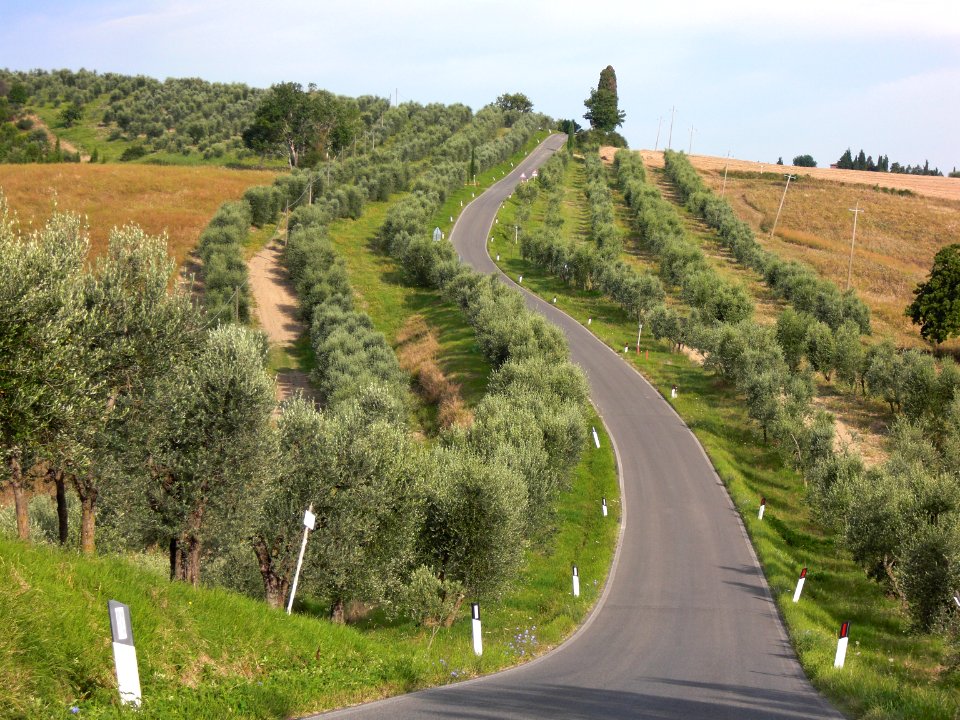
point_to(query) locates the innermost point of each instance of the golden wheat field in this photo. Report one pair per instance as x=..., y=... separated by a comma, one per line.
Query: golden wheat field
x=897, y=235
x=176, y=200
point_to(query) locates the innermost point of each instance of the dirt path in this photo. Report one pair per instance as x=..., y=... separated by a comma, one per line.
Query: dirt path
x=65, y=145
x=276, y=311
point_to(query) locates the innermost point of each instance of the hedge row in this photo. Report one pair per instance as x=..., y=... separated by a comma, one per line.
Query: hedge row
x=682, y=262
x=799, y=284
x=581, y=264
x=531, y=418
x=226, y=293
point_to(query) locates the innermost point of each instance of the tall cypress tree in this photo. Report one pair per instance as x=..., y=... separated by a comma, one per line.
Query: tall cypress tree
x=602, y=105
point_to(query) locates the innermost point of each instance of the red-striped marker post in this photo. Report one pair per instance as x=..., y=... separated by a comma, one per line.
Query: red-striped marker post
x=763, y=507
x=477, y=636
x=842, y=645
x=576, y=582
x=800, y=582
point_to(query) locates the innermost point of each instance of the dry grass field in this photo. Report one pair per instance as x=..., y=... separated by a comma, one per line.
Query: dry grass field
x=897, y=235
x=177, y=200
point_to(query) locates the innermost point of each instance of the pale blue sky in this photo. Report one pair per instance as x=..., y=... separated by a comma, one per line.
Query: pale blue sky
x=758, y=79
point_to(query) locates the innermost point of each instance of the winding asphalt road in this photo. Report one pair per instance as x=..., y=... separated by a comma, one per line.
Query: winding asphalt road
x=686, y=627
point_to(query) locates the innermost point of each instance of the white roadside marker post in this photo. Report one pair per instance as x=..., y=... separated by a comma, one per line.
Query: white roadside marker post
x=520, y=281
x=124, y=653
x=603, y=505
x=673, y=391
x=956, y=599
x=576, y=582
x=498, y=257
x=477, y=636
x=309, y=522
x=842, y=645
x=800, y=582
x=763, y=507
x=589, y=321
x=596, y=438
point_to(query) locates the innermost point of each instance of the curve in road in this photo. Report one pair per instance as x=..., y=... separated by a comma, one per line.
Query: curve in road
x=686, y=627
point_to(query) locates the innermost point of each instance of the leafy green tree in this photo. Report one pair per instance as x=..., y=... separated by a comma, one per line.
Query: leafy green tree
x=848, y=353
x=514, y=101
x=207, y=434
x=18, y=94
x=294, y=119
x=472, y=531
x=603, y=112
x=885, y=374
x=936, y=304
x=135, y=332
x=44, y=387
x=821, y=349
x=804, y=161
x=71, y=114
x=792, y=328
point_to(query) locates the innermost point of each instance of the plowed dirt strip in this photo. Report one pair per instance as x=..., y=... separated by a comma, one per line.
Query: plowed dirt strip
x=276, y=311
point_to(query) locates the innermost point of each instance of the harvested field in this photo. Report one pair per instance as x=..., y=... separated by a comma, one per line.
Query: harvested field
x=938, y=187
x=177, y=200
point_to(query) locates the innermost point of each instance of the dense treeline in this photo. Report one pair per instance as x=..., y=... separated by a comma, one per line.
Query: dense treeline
x=862, y=161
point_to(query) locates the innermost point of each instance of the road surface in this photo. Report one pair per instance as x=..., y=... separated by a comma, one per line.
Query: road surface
x=686, y=627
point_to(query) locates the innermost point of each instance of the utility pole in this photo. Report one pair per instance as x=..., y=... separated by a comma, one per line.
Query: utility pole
x=659, y=123
x=777, y=219
x=723, y=188
x=673, y=111
x=690, y=146
x=856, y=211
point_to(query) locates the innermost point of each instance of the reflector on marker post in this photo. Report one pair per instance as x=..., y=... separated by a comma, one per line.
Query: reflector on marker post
x=124, y=653
x=763, y=506
x=576, y=582
x=842, y=645
x=800, y=582
x=309, y=522
x=603, y=504
x=596, y=438
x=477, y=636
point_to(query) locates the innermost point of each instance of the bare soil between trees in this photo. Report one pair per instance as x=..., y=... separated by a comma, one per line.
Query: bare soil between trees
x=277, y=313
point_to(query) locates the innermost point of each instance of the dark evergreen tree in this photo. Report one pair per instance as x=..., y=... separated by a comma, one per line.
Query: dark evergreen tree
x=846, y=161
x=936, y=306
x=602, y=105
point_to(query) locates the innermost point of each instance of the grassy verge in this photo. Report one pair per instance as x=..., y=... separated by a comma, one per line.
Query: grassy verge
x=890, y=673
x=209, y=653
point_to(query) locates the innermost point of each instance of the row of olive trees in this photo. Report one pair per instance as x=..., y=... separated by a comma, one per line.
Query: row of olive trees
x=797, y=283
x=581, y=264
x=529, y=428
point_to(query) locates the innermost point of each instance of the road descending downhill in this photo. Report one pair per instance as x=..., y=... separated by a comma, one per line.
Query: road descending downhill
x=686, y=627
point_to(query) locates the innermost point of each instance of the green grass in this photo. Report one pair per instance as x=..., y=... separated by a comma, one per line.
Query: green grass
x=88, y=135
x=210, y=653
x=890, y=672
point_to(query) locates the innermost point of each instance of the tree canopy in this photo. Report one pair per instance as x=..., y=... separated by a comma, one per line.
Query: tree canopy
x=514, y=101
x=299, y=120
x=602, y=105
x=936, y=306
